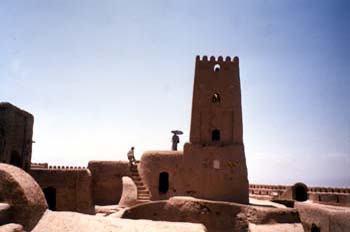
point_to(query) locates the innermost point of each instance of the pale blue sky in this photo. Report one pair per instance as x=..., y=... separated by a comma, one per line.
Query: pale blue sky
x=101, y=76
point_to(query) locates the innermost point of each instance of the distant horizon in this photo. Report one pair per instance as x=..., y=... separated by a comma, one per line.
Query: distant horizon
x=102, y=77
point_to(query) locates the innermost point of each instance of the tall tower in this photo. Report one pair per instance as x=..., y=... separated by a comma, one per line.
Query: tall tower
x=215, y=154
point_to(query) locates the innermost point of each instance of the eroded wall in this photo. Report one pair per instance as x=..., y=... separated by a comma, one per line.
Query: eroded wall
x=72, y=187
x=107, y=184
x=16, y=131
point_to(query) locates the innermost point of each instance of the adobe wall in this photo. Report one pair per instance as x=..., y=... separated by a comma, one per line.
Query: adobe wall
x=72, y=185
x=325, y=218
x=16, y=131
x=195, y=175
x=153, y=163
x=217, y=173
x=107, y=183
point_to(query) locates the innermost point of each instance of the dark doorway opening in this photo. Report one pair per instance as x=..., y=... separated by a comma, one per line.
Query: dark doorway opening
x=315, y=228
x=215, y=135
x=16, y=159
x=163, y=182
x=50, y=195
x=300, y=192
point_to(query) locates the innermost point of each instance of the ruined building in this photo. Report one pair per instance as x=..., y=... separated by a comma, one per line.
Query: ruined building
x=211, y=168
x=213, y=164
x=16, y=131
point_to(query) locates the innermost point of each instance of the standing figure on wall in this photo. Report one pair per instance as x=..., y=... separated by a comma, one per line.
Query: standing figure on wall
x=131, y=157
x=175, y=139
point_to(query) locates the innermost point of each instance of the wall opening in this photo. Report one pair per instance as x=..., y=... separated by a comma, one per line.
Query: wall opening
x=163, y=182
x=216, y=98
x=16, y=159
x=215, y=135
x=315, y=228
x=300, y=192
x=50, y=195
x=217, y=68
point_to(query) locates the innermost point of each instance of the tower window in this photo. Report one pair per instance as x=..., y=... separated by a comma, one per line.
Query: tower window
x=217, y=68
x=216, y=98
x=215, y=135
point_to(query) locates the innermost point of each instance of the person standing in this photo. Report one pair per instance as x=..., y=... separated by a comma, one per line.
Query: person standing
x=131, y=157
x=175, y=140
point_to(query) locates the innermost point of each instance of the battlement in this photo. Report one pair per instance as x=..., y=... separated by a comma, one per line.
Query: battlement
x=219, y=59
x=217, y=63
x=54, y=167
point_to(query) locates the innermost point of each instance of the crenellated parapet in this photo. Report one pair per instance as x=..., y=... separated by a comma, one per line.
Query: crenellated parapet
x=326, y=195
x=217, y=64
x=35, y=166
x=39, y=166
x=68, y=168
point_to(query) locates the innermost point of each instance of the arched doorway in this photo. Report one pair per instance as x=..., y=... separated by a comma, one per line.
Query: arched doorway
x=16, y=159
x=50, y=195
x=300, y=192
x=215, y=135
x=163, y=182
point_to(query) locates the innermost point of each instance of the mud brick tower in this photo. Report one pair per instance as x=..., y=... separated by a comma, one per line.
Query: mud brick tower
x=215, y=157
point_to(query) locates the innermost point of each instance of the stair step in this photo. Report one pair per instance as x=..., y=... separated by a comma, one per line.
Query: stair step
x=143, y=191
x=143, y=201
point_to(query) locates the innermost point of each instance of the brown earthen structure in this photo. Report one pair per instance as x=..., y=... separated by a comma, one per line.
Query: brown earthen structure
x=16, y=131
x=214, y=158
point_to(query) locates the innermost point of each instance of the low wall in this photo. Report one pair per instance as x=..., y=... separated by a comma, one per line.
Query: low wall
x=71, y=188
x=107, y=183
x=324, y=195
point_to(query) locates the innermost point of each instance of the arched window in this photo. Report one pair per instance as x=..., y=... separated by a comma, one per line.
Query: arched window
x=216, y=98
x=217, y=67
x=215, y=135
x=163, y=182
x=16, y=159
x=50, y=195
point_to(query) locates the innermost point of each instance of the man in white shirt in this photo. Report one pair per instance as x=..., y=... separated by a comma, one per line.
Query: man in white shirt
x=131, y=157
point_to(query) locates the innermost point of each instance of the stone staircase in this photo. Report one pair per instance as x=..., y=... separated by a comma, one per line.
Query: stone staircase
x=143, y=194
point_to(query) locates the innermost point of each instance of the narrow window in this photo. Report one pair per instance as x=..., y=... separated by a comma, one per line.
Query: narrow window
x=217, y=68
x=163, y=182
x=215, y=135
x=216, y=98
x=50, y=195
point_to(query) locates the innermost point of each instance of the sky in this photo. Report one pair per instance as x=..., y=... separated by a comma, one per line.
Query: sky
x=102, y=76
